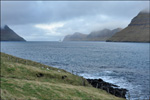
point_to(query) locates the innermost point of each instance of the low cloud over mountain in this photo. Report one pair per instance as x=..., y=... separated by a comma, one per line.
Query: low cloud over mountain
x=101, y=35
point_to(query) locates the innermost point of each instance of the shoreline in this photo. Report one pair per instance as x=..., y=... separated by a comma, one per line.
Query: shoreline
x=108, y=87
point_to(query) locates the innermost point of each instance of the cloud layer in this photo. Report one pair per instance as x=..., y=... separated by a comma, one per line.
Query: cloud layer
x=52, y=20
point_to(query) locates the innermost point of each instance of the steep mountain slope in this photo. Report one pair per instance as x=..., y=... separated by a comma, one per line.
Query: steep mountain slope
x=8, y=34
x=137, y=31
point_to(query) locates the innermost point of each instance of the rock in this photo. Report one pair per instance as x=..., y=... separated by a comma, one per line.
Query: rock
x=108, y=87
x=58, y=70
x=47, y=68
x=39, y=75
x=63, y=77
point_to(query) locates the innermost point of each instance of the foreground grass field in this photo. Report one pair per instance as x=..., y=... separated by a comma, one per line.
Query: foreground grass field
x=27, y=80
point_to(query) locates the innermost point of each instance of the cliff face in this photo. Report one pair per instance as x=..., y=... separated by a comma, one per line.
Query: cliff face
x=101, y=35
x=8, y=34
x=137, y=31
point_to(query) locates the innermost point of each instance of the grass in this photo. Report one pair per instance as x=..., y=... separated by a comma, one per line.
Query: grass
x=27, y=80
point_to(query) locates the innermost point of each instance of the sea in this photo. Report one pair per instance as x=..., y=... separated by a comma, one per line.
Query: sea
x=125, y=64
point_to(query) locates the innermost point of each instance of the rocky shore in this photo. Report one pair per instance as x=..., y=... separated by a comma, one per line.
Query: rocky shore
x=108, y=87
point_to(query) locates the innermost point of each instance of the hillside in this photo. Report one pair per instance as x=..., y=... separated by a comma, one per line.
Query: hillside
x=101, y=35
x=137, y=31
x=27, y=80
x=8, y=34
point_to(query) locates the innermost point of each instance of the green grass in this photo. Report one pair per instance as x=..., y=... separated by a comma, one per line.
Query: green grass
x=19, y=80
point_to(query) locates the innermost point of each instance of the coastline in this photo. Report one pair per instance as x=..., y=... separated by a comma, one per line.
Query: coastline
x=108, y=87
x=64, y=76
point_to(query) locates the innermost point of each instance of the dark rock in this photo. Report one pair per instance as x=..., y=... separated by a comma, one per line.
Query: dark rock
x=39, y=75
x=108, y=87
x=63, y=77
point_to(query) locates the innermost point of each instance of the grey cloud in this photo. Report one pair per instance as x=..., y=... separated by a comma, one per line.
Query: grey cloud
x=81, y=16
x=27, y=12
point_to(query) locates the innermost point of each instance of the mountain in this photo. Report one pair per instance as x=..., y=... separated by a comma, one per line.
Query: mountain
x=101, y=35
x=8, y=34
x=75, y=37
x=137, y=31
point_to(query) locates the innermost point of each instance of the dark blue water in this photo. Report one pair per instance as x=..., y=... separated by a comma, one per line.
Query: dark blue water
x=123, y=64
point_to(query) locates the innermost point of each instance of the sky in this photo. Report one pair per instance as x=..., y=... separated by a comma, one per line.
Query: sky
x=52, y=20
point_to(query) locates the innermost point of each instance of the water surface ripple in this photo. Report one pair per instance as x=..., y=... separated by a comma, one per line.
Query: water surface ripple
x=124, y=64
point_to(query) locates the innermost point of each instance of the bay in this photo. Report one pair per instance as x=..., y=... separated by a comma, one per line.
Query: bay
x=124, y=64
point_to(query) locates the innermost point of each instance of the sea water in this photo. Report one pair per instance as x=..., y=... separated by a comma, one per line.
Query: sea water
x=124, y=64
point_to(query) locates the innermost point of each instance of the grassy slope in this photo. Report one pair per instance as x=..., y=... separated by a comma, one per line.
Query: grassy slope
x=19, y=81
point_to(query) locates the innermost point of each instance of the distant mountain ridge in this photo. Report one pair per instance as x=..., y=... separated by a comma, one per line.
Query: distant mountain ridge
x=77, y=36
x=101, y=35
x=137, y=31
x=8, y=34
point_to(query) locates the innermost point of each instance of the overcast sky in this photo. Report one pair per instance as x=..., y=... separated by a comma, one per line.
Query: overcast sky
x=52, y=20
